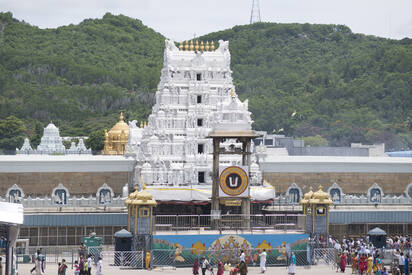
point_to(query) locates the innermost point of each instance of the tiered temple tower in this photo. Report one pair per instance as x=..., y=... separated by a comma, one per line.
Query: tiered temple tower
x=194, y=88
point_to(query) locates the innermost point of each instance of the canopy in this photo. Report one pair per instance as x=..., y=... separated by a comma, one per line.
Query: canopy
x=11, y=213
x=203, y=193
x=377, y=232
x=123, y=234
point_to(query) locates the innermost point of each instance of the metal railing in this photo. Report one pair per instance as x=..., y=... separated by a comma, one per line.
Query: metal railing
x=263, y=222
x=186, y=257
x=275, y=257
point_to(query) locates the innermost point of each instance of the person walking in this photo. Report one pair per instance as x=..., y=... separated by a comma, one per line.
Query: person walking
x=99, y=267
x=196, y=267
x=370, y=265
x=401, y=263
x=378, y=265
x=243, y=268
x=242, y=256
x=343, y=262
x=89, y=264
x=406, y=264
x=76, y=268
x=292, y=266
x=205, y=265
x=35, y=260
x=62, y=268
x=81, y=265
x=220, y=268
x=262, y=257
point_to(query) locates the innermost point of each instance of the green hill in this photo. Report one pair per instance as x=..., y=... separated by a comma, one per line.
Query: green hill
x=309, y=80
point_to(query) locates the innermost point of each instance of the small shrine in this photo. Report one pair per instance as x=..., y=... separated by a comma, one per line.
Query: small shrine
x=116, y=139
x=316, y=208
x=140, y=207
x=51, y=143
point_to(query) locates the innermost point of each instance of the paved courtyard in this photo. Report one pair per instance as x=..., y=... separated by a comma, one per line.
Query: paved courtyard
x=109, y=270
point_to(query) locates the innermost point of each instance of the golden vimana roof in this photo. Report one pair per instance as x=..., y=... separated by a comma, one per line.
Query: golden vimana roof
x=120, y=127
x=141, y=198
x=318, y=197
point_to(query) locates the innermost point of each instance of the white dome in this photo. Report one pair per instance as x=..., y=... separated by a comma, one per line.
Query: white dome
x=51, y=126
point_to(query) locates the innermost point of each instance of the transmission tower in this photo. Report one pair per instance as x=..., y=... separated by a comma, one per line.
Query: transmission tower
x=255, y=14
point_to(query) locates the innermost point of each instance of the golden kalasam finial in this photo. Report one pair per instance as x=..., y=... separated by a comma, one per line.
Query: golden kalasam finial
x=191, y=45
x=212, y=46
x=141, y=124
x=197, y=45
x=232, y=93
x=320, y=187
x=145, y=124
x=202, y=47
x=186, y=45
x=121, y=116
x=207, y=46
x=181, y=46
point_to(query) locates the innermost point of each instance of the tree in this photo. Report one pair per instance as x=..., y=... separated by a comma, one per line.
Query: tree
x=12, y=133
x=315, y=141
x=96, y=141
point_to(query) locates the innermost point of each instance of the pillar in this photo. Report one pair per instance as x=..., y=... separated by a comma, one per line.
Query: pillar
x=215, y=186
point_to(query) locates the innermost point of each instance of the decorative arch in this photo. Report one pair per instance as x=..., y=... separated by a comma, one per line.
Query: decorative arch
x=60, y=195
x=104, y=195
x=294, y=194
x=375, y=194
x=408, y=191
x=14, y=194
x=336, y=193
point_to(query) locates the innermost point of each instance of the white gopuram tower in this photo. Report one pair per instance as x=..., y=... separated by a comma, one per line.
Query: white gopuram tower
x=172, y=149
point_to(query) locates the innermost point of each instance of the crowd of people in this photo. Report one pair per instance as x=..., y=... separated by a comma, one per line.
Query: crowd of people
x=365, y=258
x=240, y=268
x=82, y=266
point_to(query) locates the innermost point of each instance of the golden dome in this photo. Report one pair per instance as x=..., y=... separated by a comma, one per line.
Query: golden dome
x=321, y=197
x=141, y=198
x=307, y=197
x=120, y=127
x=309, y=194
x=116, y=139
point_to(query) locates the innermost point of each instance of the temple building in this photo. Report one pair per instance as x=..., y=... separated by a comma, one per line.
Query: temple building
x=195, y=95
x=116, y=139
x=52, y=144
x=66, y=197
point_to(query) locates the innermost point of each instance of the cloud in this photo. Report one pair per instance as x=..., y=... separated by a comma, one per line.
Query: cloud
x=181, y=19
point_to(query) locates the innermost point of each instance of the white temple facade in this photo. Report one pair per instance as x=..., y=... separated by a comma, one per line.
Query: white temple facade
x=52, y=144
x=195, y=95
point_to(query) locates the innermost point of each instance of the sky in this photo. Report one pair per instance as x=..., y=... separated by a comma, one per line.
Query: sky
x=184, y=19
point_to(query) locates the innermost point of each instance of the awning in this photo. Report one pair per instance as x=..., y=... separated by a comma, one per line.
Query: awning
x=203, y=194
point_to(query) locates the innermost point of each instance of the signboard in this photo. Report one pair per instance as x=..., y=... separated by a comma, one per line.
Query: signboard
x=233, y=181
x=231, y=202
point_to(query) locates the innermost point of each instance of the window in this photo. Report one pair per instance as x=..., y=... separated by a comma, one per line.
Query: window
x=199, y=99
x=199, y=122
x=200, y=148
x=201, y=177
x=144, y=212
x=198, y=77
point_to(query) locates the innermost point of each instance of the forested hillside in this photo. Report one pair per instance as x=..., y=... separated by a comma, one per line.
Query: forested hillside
x=317, y=81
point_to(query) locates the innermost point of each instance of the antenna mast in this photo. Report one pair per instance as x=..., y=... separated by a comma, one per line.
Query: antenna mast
x=255, y=14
